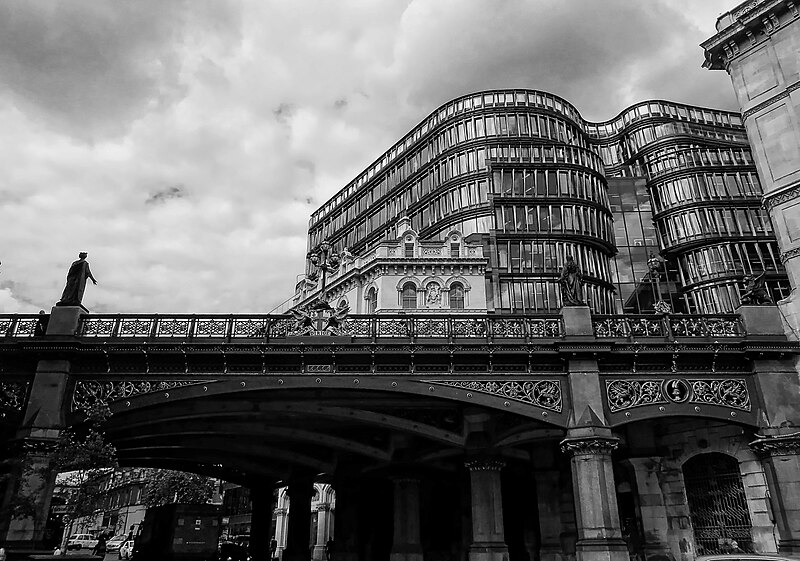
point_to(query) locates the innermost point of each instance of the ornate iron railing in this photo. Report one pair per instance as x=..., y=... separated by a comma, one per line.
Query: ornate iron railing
x=280, y=326
x=268, y=327
x=668, y=326
x=22, y=325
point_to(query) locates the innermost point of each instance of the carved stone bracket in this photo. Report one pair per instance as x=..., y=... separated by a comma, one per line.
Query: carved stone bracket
x=91, y=392
x=779, y=445
x=589, y=446
x=541, y=393
x=485, y=464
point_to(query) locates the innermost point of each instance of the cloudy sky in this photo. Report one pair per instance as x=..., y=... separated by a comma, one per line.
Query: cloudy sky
x=184, y=143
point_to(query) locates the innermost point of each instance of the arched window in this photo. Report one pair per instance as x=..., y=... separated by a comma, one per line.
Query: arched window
x=717, y=504
x=457, y=296
x=372, y=300
x=409, y=296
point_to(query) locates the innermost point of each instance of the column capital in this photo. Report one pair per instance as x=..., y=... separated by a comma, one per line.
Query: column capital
x=589, y=445
x=485, y=464
x=777, y=445
x=323, y=507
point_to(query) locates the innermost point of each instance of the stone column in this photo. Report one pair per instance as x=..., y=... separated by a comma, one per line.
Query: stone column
x=280, y=530
x=261, y=521
x=655, y=523
x=599, y=532
x=488, y=539
x=406, y=543
x=780, y=450
x=323, y=510
x=346, y=529
x=26, y=502
x=298, y=533
x=548, y=492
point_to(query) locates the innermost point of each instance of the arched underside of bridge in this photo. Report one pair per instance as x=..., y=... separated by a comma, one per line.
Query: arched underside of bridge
x=263, y=434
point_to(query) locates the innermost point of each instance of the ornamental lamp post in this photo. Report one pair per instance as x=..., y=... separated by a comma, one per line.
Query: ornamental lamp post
x=654, y=264
x=323, y=259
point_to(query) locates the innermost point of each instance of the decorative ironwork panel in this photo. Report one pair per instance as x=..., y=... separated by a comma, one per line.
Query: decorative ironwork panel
x=357, y=327
x=12, y=395
x=172, y=327
x=91, y=392
x=545, y=327
x=508, y=327
x=434, y=327
x=541, y=393
x=469, y=327
x=728, y=393
x=612, y=327
x=717, y=504
x=626, y=394
x=249, y=328
x=724, y=327
x=281, y=328
x=392, y=328
x=211, y=327
x=646, y=327
x=97, y=327
x=136, y=327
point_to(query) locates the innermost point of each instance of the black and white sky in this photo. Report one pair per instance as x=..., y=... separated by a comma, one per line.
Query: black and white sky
x=184, y=143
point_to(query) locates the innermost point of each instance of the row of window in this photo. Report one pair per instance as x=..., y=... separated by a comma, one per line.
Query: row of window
x=549, y=183
x=409, y=296
x=725, y=298
x=558, y=218
x=696, y=223
x=630, y=144
x=528, y=98
x=549, y=257
x=466, y=162
x=684, y=157
x=738, y=258
x=705, y=187
x=539, y=296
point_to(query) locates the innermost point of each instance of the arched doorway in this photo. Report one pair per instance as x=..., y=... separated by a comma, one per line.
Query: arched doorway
x=717, y=504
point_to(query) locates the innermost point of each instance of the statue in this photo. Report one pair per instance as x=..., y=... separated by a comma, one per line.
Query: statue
x=755, y=290
x=76, y=282
x=433, y=295
x=303, y=321
x=570, y=283
x=337, y=317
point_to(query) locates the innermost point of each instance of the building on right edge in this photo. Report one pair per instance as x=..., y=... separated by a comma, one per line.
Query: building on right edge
x=758, y=44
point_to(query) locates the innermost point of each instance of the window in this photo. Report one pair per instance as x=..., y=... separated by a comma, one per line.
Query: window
x=454, y=249
x=457, y=296
x=409, y=296
x=409, y=250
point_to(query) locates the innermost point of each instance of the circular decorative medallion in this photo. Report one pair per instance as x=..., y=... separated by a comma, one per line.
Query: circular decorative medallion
x=676, y=390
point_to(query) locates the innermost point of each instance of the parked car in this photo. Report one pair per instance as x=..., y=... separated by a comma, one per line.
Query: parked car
x=80, y=541
x=229, y=551
x=114, y=543
x=126, y=550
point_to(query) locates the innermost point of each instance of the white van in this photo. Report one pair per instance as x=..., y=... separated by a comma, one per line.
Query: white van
x=79, y=541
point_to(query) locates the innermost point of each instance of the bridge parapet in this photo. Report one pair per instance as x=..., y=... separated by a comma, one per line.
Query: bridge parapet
x=456, y=326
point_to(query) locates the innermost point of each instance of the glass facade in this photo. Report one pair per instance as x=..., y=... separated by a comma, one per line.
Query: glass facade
x=526, y=171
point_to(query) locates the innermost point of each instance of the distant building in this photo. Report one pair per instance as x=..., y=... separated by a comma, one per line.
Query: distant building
x=490, y=193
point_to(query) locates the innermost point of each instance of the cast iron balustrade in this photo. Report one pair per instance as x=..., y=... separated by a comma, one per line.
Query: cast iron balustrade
x=410, y=326
x=668, y=326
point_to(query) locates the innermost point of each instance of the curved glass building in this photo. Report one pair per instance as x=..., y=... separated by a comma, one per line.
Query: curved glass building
x=537, y=182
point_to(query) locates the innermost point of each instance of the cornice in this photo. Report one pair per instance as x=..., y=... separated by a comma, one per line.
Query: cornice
x=771, y=200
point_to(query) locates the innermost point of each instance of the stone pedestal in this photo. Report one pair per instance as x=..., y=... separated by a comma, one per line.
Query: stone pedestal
x=761, y=320
x=780, y=452
x=406, y=544
x=298, y=532
x=261, y=521
x=488, y=535
x=64, y=320
x=577, y=321
x=599, y=532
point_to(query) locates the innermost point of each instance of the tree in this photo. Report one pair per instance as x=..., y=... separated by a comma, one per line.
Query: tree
x=166, y=486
